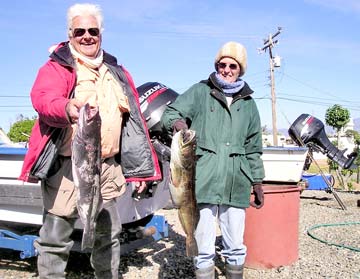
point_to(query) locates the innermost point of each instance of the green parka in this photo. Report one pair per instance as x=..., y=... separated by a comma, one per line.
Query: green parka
x=229, y=141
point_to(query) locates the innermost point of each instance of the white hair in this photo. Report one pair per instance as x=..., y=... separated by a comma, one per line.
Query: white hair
x=84, y=9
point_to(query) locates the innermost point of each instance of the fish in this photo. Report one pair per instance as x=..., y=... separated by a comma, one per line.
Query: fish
x=182, y=185
x=86, y=171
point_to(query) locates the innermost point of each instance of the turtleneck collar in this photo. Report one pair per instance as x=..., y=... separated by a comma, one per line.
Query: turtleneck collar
x=91, y=63
x=229, y=88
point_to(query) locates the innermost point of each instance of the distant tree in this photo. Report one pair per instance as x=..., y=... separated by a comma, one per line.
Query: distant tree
x=337, y=117
x=21, y=129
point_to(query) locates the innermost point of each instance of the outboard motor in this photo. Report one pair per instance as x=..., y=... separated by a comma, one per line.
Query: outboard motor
x=154, y=97
x=309, y=131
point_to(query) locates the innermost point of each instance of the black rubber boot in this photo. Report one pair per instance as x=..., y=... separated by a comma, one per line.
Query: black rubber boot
x=105, y=257
x=53, y=246
x=234, y=271
x=205, y=273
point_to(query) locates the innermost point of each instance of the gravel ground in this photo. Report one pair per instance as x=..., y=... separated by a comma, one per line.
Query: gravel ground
x=166, y=259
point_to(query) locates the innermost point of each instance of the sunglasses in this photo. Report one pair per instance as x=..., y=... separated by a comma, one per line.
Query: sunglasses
x=79, y=32
x=222, y=65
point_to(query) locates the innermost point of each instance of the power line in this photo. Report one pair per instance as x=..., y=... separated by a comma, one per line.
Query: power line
x=318, y=98
x=311, y=101
x=315, y=88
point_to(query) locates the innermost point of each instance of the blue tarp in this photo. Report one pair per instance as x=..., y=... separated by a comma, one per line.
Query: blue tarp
x=316, y=181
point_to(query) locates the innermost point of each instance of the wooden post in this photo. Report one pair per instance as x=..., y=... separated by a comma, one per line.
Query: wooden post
x=269, y=44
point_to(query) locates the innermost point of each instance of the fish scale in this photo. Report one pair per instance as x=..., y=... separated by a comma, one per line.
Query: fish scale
x=86, y=170
x=182, y=186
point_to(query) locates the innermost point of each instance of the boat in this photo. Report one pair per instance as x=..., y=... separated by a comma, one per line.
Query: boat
x=284, y=164
x=21, y=209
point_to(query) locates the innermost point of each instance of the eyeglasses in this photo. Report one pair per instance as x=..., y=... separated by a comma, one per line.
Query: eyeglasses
x=222, y=65
x=79, y=32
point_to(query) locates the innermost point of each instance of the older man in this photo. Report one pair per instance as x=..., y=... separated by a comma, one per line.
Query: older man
x=80, y=72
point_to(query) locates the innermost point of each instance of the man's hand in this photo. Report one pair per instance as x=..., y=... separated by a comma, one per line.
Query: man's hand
x=140, y=186
x=259, y=196
x=72, y=110
x=178, y=125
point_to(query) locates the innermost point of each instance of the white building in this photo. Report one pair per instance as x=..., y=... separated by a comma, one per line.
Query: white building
x=268, y=140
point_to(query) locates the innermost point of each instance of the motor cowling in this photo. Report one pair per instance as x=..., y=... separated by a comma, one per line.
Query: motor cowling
x=309, y=131
x=154, y=97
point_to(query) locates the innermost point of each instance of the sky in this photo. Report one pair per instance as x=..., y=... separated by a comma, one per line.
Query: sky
x=174, y=42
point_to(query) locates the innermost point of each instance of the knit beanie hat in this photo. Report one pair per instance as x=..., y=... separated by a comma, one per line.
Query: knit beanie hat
x=235, y=51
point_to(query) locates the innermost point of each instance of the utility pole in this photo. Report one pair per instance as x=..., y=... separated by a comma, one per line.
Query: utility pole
x=268, y=45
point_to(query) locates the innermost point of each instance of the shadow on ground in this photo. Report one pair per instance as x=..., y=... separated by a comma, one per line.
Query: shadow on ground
x=171, y=262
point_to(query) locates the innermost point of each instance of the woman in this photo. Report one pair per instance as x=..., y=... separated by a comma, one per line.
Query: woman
x=229, y=147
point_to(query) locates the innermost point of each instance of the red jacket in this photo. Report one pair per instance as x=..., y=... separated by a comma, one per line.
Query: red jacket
x=53, y=87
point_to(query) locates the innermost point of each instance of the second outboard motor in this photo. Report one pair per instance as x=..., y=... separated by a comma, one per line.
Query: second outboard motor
x=309, y=131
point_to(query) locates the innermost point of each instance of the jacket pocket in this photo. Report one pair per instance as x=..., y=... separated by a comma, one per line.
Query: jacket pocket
x=48, y=155
x=59, y=196
x=135, y=155
x=245, y=168
x=113, y=182
x=203, y=147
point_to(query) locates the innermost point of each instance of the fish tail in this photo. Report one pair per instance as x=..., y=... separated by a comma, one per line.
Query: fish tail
x=191, y=247
x=88, y=237
x=88, y=241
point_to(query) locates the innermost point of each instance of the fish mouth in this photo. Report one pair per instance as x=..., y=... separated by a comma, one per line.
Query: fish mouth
x=188, y=136
x=90, y=111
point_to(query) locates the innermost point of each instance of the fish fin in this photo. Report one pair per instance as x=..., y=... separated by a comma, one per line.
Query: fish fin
x=191, y=247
